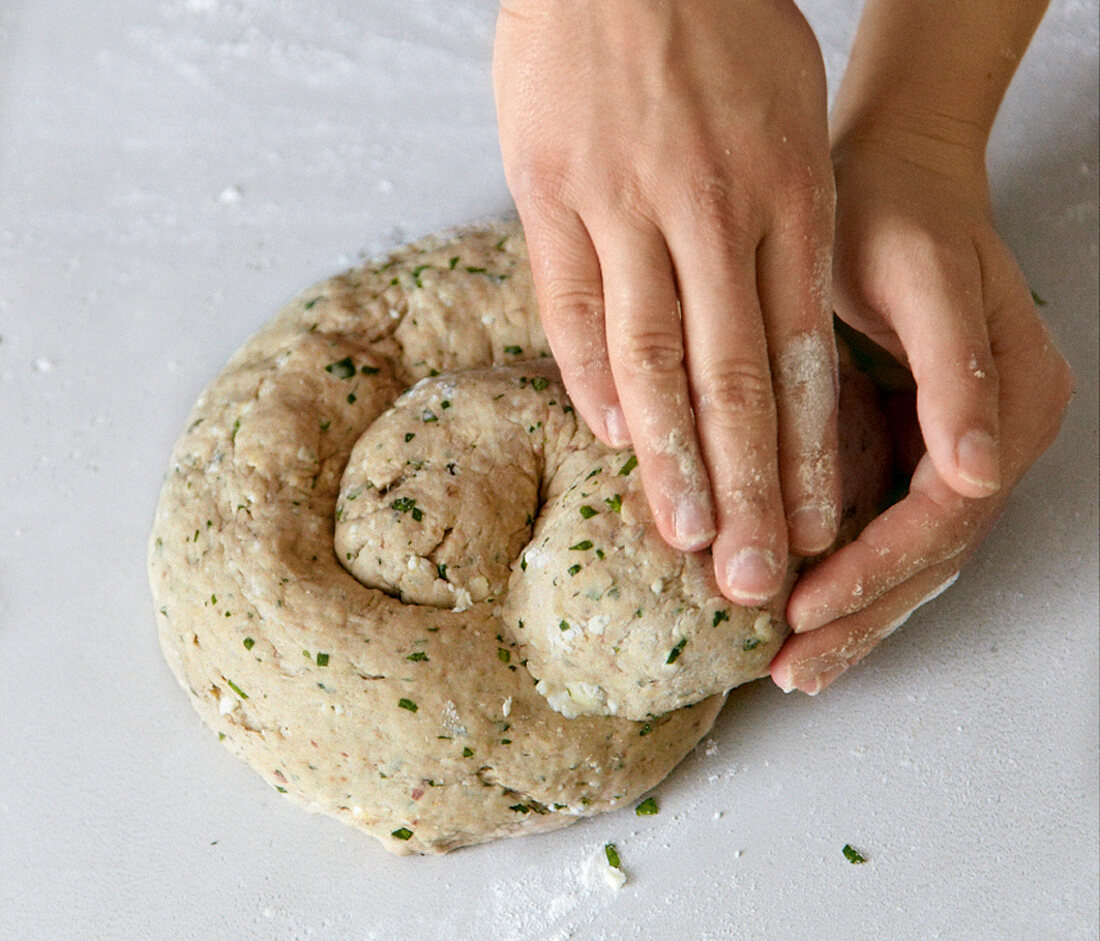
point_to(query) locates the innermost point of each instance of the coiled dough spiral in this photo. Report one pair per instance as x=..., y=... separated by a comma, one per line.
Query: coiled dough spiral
x=404, y=582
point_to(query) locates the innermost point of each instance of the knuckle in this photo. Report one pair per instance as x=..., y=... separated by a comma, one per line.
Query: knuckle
x=732, y=392
x=652, y=353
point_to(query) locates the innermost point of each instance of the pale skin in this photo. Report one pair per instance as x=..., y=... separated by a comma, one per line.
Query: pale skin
x=674, y=170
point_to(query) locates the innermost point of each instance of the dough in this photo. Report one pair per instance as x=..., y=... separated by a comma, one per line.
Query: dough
x=510, y=646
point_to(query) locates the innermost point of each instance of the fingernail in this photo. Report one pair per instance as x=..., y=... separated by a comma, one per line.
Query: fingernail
x=693, y=523
x=812, y=530
x=751, y=576
x=615, y=424
x=978, y=459
x=814, y=685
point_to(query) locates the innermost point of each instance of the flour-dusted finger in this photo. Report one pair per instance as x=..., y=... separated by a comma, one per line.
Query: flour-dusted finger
x=793, y=272
x=929, y=527
x=646, y=347
x=811, y=662
x=569, y=288
x=735, y=415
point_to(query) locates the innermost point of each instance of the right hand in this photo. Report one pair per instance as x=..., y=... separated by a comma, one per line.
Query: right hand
x=670, y=164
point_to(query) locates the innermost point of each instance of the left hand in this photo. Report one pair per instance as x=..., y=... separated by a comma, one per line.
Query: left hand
x=920, y=270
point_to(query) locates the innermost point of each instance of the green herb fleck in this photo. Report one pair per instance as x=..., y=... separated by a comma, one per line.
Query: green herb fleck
x=418, y=657
x=233, y=686
x=612, y=855
x=309, y=304
x=402, y=833
x=503, y=655
x=853, y=856
x=408, y=505
x=513, y=350
x=523, y=564
x=674, y=654
x=647, y=808
x=325, y=425
x=615, y=503
x=520, y=808
x=573, y=569
x=1039, y=302
x=342, y=368
x=452, y=263
x=563, y=625
x=322, y=659
x=280, y=789
x=467, y=752
x=409, y=435
x=249, y=643
x=406, y=704
x=720, y=616
x=351, y=398
x=369, y=370
x=428, y=416
x=588, y=512
x=751, y=643
x=631, y=463
x=645, y=730
x=539, y=383
x=583, y=546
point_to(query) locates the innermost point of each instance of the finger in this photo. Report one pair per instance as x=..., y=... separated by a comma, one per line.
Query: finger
x=793, y=271
x=942, y=327
x=810, y=662
x=646, y=348
x=735, y=416
x=931, y=526
x=569, y=288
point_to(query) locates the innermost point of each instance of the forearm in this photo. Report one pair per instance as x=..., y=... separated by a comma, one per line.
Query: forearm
x=934, y=70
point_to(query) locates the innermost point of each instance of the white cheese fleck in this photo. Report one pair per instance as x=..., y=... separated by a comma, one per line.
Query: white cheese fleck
x=506, y=707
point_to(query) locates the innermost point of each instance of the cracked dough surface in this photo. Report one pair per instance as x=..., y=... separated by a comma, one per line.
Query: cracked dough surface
x=404, y=582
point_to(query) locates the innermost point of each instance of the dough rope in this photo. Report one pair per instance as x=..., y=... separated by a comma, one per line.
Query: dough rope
x=510, y=646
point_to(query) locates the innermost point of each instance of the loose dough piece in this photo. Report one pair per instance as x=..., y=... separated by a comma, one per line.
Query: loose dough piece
x=405, y=702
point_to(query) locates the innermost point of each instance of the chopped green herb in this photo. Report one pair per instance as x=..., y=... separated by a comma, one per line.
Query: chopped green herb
x=720, y=616
x=573, y=569
x=369, y=370
x=853, y=856
x=281, y=790
x=513, y=350
x=428, y=416
x=409, y=435
x=599, y=553
x=249, y=643
x=674, y=654
x=406, y=704
x=520, y=808
x=309, y=304
x=351, y=398
x=503, y=655
x=342, y=368
x=563, y=625
x=523, y=564
x=402, y=833
x=631, y=463
x=645, y=730
x=612, y=855
x=233, y=686
x=467, y=752
x=322, y=659
x=418, y=657
x=647, y=808
x=1039, y=302
x=582, y=546
x=588, y=512
x=751, y=643
x=452, y=263
x=615, y=503
x=325, y=425
x=441, y=570
x=408, y=505
x=539, y=383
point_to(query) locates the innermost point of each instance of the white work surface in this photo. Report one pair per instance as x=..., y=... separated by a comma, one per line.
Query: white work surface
x=170, y=173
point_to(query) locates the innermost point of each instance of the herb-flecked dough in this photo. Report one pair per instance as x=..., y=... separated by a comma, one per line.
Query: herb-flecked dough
x=402, y=580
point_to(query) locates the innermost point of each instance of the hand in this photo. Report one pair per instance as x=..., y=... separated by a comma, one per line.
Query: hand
x=920, y=270
x=670, y=165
